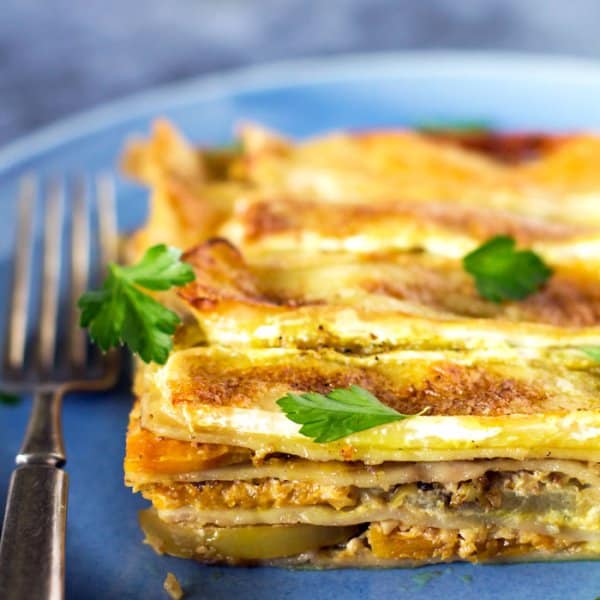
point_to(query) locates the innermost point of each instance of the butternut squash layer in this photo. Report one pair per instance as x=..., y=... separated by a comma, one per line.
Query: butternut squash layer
x=147, y=453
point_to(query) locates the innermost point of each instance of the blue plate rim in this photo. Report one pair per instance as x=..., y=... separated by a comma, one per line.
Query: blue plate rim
x=270, y=75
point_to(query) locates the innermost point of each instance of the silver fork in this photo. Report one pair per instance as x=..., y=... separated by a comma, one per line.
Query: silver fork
x=53, y=361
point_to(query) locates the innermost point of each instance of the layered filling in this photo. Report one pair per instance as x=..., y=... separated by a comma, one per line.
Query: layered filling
x=219, y=503
x=499, y=515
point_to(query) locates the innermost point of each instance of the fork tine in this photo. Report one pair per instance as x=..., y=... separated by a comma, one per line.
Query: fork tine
x=51, y=275
x=107, y=218
x=80, y=264
x=14, y=354
x=107, y=238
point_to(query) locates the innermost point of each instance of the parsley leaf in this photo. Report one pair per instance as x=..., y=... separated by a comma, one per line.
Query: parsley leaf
x=9, y=399
x=338, y=414
x=120, y=313
x=160, y=269
x=503, y=273
x=592, y=351
x=473, y=126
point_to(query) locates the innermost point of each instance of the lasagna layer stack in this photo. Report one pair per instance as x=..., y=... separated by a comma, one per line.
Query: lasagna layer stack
x=338, y=262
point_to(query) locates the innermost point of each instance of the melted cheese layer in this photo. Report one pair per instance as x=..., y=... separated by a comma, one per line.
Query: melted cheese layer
x=378, y=303
x=482, y=404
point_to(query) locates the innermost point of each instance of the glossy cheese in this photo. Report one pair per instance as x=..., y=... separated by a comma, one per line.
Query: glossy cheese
x=517, y=404
x=379, y=302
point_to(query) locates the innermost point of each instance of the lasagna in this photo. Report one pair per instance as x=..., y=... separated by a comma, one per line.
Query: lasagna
x=338, y=262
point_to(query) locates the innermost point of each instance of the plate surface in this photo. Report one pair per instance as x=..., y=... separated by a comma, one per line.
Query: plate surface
x=105, y=556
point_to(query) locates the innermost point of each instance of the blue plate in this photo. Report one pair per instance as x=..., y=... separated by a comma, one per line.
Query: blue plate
x=105, y=555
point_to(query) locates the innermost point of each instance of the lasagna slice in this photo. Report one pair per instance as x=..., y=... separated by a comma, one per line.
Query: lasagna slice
x=335, y=263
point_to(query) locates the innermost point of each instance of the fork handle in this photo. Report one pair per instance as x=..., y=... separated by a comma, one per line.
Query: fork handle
x=32, y=549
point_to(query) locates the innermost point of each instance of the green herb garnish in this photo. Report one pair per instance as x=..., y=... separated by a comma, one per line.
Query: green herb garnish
x=503, y=273
x=327, y=418
x=9, y=399
x=120, y=313
x=449, y=126
x=592, y=351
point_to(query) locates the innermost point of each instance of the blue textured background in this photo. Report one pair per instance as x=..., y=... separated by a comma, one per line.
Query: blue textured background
x=61, y=56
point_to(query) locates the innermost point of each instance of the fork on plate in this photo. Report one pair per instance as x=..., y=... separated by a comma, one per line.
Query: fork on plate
x=48, y=355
